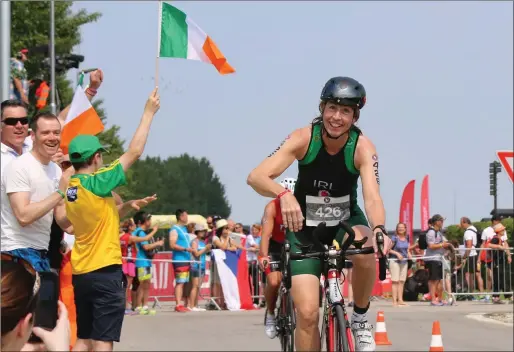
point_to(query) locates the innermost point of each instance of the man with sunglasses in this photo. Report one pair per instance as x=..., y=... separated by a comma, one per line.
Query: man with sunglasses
x=15, y=123
x=15, y=130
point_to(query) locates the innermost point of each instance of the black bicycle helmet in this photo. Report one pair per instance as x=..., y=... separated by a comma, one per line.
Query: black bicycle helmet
x=344, y=91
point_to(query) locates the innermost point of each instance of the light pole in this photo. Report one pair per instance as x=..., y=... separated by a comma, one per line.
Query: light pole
x=5, y=49
x=494, y=170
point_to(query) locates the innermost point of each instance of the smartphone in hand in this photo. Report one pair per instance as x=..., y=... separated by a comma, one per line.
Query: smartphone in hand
x=46, y=313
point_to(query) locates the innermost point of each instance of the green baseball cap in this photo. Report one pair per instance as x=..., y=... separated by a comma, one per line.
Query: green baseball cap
x=83, y=147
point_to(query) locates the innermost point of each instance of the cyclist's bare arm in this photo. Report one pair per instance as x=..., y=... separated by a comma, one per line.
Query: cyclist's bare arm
x=293, y=148
x=268, y=221
x=366, y=161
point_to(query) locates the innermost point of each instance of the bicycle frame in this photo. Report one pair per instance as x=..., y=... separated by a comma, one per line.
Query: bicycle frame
x=336, y=326
x=330, y=330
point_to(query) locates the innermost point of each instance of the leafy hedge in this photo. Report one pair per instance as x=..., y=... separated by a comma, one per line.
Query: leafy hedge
x=454, y=232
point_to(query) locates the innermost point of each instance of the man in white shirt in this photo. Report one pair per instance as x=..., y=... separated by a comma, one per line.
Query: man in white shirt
x=15, y=139
x=470, y=255
x=31, y=188
x=15, y=129
x=487, y=234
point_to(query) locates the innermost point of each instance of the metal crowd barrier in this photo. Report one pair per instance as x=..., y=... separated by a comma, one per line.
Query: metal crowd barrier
x=465, y=278
x=162, y=288
x=492, y=279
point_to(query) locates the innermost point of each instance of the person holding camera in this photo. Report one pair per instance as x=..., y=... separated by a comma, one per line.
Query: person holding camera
x=20, y=294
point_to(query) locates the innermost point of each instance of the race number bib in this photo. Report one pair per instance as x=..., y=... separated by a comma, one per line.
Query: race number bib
x=330, y=210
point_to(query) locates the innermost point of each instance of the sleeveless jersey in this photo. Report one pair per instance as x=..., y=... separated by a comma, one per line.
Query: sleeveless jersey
x=128, y=250
x=279, y=232
x=326, y=187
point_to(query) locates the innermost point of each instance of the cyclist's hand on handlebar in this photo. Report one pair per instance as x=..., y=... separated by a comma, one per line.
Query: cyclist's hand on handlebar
x=387, y=242
x=291, y=212
x=263, y=262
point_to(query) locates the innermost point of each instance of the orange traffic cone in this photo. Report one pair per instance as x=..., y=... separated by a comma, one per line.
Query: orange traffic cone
x=437, y=340
x=381, y=331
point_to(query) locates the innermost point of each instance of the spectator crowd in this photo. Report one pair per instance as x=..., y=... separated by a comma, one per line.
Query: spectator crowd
x=60, y=216
x=478, y=268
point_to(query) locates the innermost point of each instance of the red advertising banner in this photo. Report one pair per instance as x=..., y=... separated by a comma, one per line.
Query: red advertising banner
x=163, y=278
x=425, y=204
x=407, y=208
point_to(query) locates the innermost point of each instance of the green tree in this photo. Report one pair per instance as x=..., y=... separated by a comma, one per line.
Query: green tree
x=30, y=28
x=180, y=182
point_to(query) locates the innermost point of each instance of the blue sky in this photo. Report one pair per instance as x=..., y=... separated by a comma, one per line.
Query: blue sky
x=438, y=75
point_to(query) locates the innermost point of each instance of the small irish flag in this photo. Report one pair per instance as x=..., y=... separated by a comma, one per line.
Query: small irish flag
x=82, y=119
x=180, y=37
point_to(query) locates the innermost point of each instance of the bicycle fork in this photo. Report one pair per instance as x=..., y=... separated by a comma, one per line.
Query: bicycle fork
x=334, y=324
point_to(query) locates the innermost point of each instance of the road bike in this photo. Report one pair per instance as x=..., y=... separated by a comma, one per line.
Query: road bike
x=284, y=311
x=336, y=330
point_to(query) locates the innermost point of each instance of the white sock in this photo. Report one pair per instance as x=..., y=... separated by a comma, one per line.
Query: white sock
x=359, y=318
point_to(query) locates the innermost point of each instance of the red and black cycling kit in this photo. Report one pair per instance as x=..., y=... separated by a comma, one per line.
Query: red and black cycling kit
x=278, y=236
x=279, y=231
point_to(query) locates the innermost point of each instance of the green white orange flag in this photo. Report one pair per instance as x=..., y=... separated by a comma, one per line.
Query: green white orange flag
x=180, y=37
x=82, y=119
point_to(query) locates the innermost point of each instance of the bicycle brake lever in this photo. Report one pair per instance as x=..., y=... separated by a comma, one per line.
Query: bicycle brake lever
x=382, y=260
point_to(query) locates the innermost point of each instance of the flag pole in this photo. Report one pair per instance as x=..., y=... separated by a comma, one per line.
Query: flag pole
x=158, y=44
x=53, y=106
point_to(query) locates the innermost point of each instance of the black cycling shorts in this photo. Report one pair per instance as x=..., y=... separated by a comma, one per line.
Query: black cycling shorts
x=275, y=254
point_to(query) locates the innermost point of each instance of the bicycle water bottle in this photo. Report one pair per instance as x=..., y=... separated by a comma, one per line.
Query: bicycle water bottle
x=334, y=286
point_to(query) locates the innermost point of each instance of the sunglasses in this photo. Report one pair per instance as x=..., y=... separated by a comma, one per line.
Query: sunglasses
x=13, y=121
x=8, y=258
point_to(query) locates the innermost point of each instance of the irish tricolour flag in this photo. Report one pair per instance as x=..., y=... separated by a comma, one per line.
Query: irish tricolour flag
x=180, y=37
x=81, y=119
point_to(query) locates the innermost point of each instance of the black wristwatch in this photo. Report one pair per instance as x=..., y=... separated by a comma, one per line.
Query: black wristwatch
x=382, y=228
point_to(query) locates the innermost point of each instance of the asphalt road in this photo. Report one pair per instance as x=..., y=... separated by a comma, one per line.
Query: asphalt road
x=408, y=328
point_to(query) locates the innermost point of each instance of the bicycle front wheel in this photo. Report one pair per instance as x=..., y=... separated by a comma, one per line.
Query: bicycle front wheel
x=287, y=338
x=342, y=332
